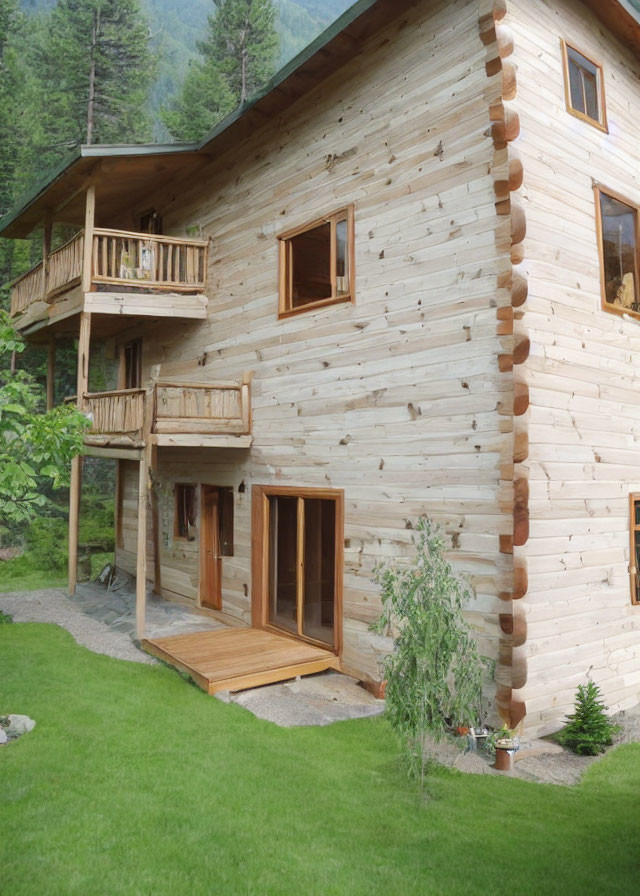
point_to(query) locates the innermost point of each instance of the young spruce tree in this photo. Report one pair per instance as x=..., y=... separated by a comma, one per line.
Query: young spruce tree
x=237, y=57
x=589, y=730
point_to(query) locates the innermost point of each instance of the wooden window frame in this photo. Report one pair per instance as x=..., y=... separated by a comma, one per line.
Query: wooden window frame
x=600, y=123
x=284, y=263
x=598, y=190
x=260, y=495
x=634, y=498
x=176, y=491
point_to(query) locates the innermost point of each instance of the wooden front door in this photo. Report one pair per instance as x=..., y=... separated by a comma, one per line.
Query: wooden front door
x=211, y=568
x=216, y=542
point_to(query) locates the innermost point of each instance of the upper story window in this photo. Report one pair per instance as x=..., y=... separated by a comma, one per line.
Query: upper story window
x=617, y=224
x=584, y=87
x=317, y=264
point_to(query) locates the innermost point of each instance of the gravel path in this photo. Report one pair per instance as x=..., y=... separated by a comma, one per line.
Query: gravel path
x=53, y=605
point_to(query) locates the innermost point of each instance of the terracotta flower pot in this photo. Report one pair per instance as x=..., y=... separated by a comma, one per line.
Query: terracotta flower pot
x=504, y=759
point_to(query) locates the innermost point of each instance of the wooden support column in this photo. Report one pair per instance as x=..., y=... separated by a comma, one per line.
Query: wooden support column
x=51, y=374
x=84, y=345
x=82, y=382
x=155, y=522
x=46, y=252
x=74, y=512
x=89, y=223
x=141, y=557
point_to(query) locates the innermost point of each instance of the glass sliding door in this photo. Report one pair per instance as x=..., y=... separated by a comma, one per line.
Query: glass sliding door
x=319, y=569
x=302, y=566
x=283, y=540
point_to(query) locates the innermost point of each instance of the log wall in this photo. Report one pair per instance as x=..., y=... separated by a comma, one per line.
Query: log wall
x=581, y=374
x=399, y=399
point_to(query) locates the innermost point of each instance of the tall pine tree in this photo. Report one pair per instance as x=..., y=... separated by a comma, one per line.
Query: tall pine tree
x=95, y=70
x=10, y=27
x=238, y=56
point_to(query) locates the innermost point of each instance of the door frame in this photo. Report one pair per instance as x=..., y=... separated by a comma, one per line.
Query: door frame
x=260, y=557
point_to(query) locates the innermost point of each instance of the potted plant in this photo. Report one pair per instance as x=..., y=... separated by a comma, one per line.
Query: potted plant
x=505, y=743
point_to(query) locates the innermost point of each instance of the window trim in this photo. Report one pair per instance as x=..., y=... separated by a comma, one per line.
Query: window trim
x=602, y=123
x=634, y=498
x=284, y=264
x=176, y=531
x=260, y=495
x=598, y=190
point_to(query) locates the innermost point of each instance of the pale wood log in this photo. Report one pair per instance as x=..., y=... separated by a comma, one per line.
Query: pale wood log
x=141, y=551
x=47, y=227
x=84, y=341
x=74, y=514
x=89, y=220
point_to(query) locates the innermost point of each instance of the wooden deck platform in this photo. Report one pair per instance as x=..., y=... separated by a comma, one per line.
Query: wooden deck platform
x=238, y=658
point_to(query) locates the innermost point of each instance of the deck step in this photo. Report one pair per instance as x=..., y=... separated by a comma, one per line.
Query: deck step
x=240, y=658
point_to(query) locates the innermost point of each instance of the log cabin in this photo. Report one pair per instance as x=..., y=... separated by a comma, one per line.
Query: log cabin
x=401, y=280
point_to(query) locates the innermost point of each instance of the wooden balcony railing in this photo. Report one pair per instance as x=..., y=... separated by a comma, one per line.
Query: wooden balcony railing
x=201, y=408
x=121, y=417
x=139, y=261
x=158, y=262
x=27, y=289
x=120, y=412
x=65, y=266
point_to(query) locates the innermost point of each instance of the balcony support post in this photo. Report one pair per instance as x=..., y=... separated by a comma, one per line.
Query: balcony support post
x=141, y=554
x=89, y=224
x=47, y=228
x=82, y=383
x=74, y=512
x=51, y=373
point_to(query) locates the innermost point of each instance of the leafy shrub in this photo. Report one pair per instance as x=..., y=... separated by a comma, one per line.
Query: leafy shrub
x=47, y=540
x=589, y=730
x=434, y=676
x=5, y=619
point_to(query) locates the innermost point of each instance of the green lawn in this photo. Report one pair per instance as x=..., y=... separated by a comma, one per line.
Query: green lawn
x=135, y=782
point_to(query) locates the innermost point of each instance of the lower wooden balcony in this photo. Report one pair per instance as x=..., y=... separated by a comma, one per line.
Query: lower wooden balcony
x=168, y=414
x=113, y=273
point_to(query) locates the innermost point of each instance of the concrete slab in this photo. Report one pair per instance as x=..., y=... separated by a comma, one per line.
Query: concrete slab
x=313, y=700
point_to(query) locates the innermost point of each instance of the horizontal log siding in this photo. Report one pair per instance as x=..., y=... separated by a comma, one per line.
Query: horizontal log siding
x=584, y=426
x=397, y=399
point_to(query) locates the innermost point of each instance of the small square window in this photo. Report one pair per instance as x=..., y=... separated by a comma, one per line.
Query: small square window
x=634, y=557
x=584, y=87
x=316, y=264
x=185, y=512
x=618, y=236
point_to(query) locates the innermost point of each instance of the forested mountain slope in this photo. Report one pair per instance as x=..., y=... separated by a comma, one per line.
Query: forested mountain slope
x=176, y=26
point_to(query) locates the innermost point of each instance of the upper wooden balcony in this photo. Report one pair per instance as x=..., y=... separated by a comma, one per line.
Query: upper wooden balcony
x=121, y=272
x=169, y=414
